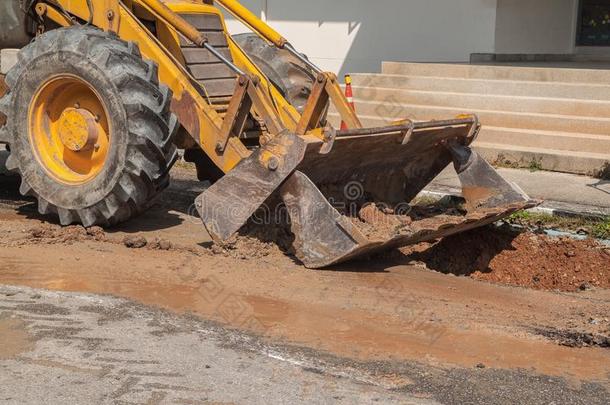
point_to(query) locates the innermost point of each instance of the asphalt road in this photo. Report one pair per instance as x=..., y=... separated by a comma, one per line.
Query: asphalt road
x=68, y=348
x=62, y=348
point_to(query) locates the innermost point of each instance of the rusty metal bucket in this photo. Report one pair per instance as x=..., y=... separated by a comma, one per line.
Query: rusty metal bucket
x=390, y=165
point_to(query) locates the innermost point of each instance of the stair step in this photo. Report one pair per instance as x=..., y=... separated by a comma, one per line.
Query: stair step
x=594, y=76
x=567, y=141
x=550, y=122
x=542, y=105
x=582, y=91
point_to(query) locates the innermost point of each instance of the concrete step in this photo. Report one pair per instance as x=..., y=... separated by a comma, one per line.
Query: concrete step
x=585, y=108
x=590, y=164
x=549, y=122
x=566, y=141
x=526, y=148
x=583, y=91
x=593, y=76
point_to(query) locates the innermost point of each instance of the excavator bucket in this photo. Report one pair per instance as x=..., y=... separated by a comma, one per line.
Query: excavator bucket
x=349, y=197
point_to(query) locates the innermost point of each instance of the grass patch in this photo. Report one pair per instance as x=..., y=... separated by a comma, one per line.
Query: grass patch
x=535, y=166
x=604, y=173
x=597, y=228
x=602, y=229
x=502, y=162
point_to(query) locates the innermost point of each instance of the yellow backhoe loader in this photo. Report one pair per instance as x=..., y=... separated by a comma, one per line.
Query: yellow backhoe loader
x=104, y=93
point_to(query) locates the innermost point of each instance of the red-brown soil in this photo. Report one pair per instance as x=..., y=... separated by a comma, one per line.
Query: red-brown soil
x=377, y=222
x=522, y=259
x=380, y=221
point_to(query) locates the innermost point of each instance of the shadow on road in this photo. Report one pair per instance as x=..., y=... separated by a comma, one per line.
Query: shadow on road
x=375, y=264
x=164, y=212
x=602, y=185
x=468, y=252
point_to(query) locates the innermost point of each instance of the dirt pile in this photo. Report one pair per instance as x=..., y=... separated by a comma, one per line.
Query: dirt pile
x=381, y=222
x=253, y=242
x=256, y=241
x=139, y=242
x=160, y=244
x=245, y=248
x=48, y=233
x=522, y=259
x=134, y=242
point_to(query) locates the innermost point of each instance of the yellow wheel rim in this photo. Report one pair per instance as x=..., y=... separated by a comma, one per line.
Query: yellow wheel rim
x=69, y=129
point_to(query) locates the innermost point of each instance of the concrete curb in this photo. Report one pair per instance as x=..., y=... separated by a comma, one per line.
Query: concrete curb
x=549, y=207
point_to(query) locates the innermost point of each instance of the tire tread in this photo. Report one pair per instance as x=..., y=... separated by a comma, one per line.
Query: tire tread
x=151, y=126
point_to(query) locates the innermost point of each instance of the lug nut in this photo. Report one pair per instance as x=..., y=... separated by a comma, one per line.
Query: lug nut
x=273, y=164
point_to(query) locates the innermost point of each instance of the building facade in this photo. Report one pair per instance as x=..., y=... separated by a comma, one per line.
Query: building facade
x=356, y=35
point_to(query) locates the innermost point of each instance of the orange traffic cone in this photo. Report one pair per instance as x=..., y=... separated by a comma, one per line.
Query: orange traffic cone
x=349, y=95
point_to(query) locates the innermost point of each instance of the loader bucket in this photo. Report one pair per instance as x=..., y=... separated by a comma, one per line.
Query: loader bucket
x=349, y=197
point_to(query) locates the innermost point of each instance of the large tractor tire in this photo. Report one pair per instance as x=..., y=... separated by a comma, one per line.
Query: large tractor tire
x=287, y=73
x=89, y=126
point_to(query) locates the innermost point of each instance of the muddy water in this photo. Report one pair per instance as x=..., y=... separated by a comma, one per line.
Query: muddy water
x=430, y=318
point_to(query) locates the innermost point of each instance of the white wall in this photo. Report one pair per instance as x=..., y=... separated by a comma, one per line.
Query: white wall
x=236, y=27
x=356, y=35
x=536, y=26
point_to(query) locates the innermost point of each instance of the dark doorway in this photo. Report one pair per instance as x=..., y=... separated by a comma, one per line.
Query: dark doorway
x=593, y=23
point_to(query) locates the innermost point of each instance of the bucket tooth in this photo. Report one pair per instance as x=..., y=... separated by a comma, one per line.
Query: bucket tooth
x=321, y=233
x=228, y=204
x=482, y=185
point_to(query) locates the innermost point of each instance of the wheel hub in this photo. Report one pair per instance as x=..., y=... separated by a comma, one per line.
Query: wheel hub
x=69, y=129
x=77, y=129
